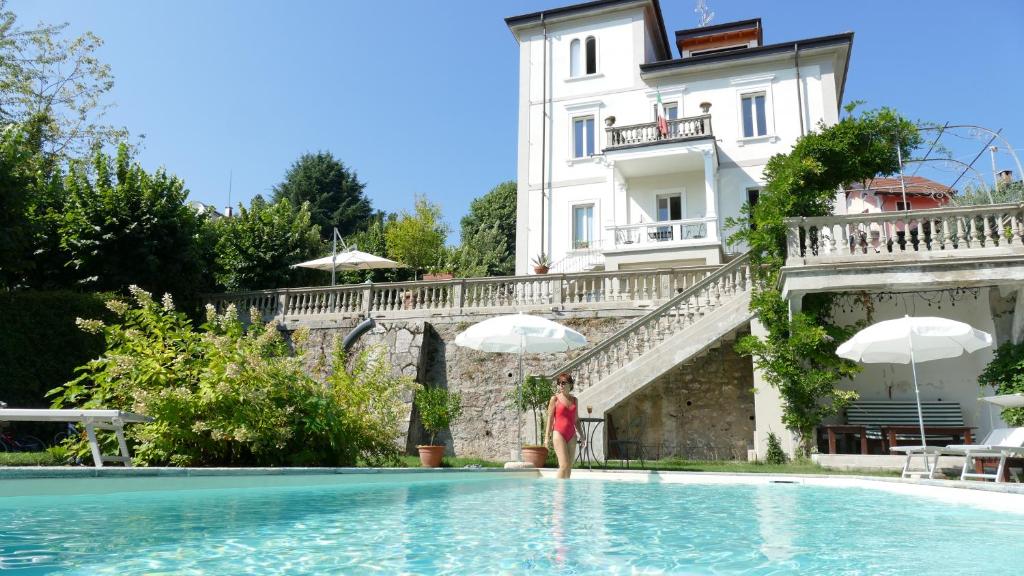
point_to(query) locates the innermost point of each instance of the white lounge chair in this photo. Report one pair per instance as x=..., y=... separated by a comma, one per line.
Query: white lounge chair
x=1001, y=443
x=93, y=419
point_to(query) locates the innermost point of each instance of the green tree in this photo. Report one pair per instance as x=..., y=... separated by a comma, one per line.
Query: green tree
x=374, y=241
x=495, y=210
x=333, y=191
x=483, y=253
x=44, y=74
x=417, y=239
x=1005, y=373
x=15, y=228
x=122, y=226
x=797, y=356
x=256, y=248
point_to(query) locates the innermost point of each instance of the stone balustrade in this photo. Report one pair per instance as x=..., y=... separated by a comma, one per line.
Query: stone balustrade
x=678, y=313
x=618, y=289
x=649, y=133
x=947, y=232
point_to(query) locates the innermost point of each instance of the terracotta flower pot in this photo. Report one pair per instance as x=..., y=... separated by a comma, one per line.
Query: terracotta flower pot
x=540, y=269
x=430, y=456
x=535, y=455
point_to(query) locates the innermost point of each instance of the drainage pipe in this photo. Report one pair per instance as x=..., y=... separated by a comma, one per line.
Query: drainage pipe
x=356, y=332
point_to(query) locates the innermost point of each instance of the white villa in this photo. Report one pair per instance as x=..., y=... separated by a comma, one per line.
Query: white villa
x=629, y=195
x=601, y=183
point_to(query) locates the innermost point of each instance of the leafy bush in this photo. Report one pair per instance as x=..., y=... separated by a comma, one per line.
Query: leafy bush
x=439, y=408
x=775, y=454
x=227, y=395
x=537, y=392
x=1006, y=373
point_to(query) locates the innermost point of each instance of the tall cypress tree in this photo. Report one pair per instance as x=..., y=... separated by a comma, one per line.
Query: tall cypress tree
x=334, y=193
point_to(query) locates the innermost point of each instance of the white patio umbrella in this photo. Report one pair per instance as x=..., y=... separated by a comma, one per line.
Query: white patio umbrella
x=520, y=334
x=910, y=340
x=347, y=259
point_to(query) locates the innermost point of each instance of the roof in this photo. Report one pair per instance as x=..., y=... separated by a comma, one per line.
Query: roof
x=753, y=23
x=915, y=185
x=535, y=18
x=844, y=39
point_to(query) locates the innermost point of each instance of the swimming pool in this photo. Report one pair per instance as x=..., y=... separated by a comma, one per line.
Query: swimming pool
x=493, y=523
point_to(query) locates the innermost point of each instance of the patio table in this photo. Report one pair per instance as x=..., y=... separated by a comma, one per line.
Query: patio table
x=586, y=453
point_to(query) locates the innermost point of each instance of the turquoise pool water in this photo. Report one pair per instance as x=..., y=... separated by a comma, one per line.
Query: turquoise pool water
x=507, y=526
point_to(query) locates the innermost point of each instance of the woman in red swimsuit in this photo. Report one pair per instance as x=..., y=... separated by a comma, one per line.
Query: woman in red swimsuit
x=563, y=425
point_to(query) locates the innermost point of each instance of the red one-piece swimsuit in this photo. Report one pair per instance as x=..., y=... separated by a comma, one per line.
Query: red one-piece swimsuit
x=565, y=420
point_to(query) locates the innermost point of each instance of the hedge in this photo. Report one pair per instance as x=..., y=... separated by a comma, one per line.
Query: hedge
x=40, y=345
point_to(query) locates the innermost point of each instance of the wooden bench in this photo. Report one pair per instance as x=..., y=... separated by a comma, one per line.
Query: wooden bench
x=892, y=421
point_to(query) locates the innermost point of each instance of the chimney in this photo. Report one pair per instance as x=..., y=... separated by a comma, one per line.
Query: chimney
x=227, y=211
x=1005, y=177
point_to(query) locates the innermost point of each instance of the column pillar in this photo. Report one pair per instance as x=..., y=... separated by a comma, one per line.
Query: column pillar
x=711, y=193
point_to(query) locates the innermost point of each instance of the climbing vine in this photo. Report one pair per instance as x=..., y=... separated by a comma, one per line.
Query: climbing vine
x=797, y=352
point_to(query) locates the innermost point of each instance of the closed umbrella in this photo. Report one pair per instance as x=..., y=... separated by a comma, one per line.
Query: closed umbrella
x=910, y=340
x=520, y=334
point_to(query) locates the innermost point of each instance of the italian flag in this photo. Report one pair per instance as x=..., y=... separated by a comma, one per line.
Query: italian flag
x=662, y=122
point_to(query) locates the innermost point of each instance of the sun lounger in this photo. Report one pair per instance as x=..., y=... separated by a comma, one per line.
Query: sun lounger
x=1001, y=443
x=92, y=419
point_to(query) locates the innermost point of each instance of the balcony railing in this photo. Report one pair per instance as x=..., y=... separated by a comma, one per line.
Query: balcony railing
x=913, y=234
x=653, y=234
x=612, y=289
x=677, y=129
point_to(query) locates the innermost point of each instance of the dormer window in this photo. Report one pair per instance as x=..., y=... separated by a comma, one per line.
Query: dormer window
x=583, y=57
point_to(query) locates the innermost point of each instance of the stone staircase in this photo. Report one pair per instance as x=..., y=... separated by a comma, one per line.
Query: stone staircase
x=690, y=323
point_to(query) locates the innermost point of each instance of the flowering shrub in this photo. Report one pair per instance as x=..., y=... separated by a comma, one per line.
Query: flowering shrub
x=230, y=395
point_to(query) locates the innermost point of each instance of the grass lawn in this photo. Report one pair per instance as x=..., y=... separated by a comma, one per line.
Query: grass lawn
x=669, y=464
x=29, y=459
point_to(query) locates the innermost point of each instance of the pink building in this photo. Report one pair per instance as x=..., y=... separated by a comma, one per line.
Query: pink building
x=886, y=195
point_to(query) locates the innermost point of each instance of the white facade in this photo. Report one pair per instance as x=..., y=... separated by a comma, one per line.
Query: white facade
x=601, y=193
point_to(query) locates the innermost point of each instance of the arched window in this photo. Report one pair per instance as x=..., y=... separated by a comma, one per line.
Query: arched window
x=574, y=58
x=591, y=55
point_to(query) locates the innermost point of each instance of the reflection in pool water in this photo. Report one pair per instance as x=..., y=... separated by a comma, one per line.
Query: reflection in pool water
x=511, y=526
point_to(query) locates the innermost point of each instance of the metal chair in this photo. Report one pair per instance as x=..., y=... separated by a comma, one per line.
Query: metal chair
x=625, y=445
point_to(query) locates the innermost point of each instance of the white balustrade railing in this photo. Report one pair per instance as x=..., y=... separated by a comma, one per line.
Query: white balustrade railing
x=908, y=235
x=691, y=304
x=649, y=234
x=649, y=132
x=474, y=295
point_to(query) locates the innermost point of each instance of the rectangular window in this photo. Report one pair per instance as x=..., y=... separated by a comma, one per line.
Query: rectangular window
x=670, y=207
x=583, y=136
x=901, y=207
x=671, y=111
x=582, y=226
x=754, y=119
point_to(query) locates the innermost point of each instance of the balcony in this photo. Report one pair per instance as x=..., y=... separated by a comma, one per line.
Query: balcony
x=679, y=129
x=695, y=231
x=935, y=248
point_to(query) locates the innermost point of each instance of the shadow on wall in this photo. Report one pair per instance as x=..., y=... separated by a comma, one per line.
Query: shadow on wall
x=430, y=372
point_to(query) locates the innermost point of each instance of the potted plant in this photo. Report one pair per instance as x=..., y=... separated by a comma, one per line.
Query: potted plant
x=439, y=408
x=541, y=263
x=536, y=393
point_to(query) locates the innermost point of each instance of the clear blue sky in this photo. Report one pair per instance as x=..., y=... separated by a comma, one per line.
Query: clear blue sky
x=420, y=97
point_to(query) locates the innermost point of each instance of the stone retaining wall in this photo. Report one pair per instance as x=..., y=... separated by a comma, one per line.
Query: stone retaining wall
x=700, y=410
x=424, y=348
